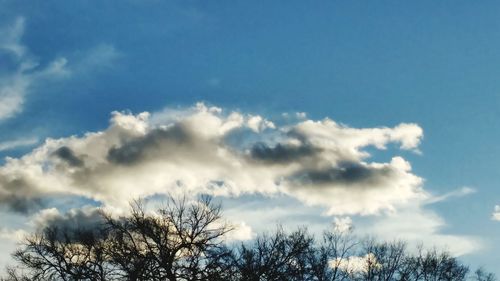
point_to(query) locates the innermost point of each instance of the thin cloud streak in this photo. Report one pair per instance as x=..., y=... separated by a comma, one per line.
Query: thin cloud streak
x=13, y=144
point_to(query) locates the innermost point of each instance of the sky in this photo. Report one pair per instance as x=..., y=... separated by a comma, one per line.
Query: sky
x=383, y=115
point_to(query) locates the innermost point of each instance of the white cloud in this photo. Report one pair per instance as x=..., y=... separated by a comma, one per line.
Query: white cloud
x=15, y=235
x=9, y=239
x=26, y=72
x=342, y=224
x=11, y=37
x=301, y=115
x=98, y=57
x=461, y=192
x=12, y=93
x=186, y=151
x=353, y=265
x=320, y=163
x=496, y=213
x=14, y=86
x=12, y=144
x=241, y=232
x=258, y=124
x=416, y=225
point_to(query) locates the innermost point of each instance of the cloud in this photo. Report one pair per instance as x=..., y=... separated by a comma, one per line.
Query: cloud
x=496, y=213
x=358, y=187
x=321, y=163
x=25, y=70
x=280, y=153
x=24, y=73
x=22, y=204
x=17, y=195
x=83, y=218
x=12, y=92
x=301, y=115
x=13, y=144
x=102, y=56
x=354, y=264
x=258, y=124
x=412, y=222
x=241, y=232
x=461, y=192
x=11, y=37
x=15, y=235
x=342, y=225
x=66, y=154
x=416, y=225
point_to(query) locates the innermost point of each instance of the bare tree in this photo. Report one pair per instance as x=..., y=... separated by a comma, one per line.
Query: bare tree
x=481, y=275
x=384, y=261
x=184, y=241
x=434, y=265
x=332, y=255
x=62, y=254
x=280, y=256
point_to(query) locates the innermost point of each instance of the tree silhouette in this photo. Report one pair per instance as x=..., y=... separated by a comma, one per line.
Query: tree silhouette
x=279, y=256
x=185, y=240
x=182, y=242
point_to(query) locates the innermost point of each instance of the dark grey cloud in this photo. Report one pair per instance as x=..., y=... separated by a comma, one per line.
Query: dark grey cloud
x=281, y=153
x=76, y=224
x=136, y=150
x=22, y=204
x=67, y=155
x=18, y=196
x=344, y=174
x=297, y=134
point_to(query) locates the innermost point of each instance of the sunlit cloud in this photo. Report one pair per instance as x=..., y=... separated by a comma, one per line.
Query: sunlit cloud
x=321, y=163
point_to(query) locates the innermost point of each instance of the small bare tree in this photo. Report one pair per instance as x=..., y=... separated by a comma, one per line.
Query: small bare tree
x=332, y=255
x=62, y=254
x=182, y=241
x=280, y=256
x=481, y=275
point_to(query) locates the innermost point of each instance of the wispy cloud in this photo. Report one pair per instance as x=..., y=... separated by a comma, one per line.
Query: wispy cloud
x=12, y=144
x=496, y=213
x=15, y=85
x=415, y=224
x=26, y=72
x=101, y=56
x=461, y=192
x=11, y=38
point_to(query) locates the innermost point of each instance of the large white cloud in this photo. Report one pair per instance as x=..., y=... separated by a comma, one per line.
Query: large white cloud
x=190, y=151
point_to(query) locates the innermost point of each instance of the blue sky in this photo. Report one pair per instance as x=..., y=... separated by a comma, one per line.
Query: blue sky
x=65, y=66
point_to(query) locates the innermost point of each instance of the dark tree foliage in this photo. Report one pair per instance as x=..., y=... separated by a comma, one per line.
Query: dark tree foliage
x=185, y=240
